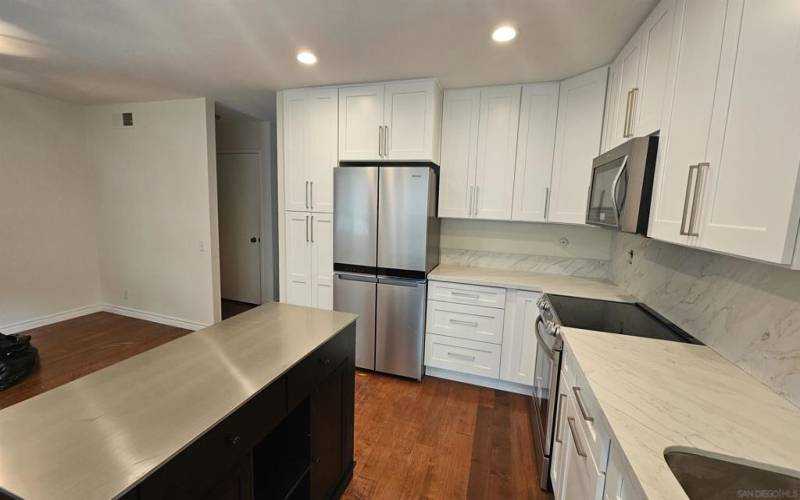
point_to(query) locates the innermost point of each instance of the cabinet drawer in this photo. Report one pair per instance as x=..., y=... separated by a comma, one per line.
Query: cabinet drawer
x=466, y=356
x=467, y=294
x=484, y=324
x=204, y=463
x=315, y=367
x=591, y=419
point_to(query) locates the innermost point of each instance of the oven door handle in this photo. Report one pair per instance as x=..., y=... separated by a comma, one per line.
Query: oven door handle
x=615, y=185
x=540, y=339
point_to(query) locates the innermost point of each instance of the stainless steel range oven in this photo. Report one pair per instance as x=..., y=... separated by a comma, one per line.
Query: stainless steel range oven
x=556, y=311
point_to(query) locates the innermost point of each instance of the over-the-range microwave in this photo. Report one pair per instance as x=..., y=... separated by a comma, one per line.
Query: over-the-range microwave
x=622, y=186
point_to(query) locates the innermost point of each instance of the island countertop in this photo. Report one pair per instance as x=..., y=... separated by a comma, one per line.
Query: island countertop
x=100, y=435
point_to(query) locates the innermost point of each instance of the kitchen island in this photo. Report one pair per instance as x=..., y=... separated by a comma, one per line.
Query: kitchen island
x=257, y=406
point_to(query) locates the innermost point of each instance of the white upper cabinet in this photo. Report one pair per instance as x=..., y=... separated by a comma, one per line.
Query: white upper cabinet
x=750, y=203
x=536, y=142
x=627, y=65
x=580, y=120
x=459, y=152
x=479, y=144
x=394, y=121
x=683, y=143
x=310, y=148
x=497, y=151
x=361, y=122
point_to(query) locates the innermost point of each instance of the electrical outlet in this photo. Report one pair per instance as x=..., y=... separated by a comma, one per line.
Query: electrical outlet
x=202, y=246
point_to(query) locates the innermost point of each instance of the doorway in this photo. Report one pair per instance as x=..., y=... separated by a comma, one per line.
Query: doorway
x=240, y=238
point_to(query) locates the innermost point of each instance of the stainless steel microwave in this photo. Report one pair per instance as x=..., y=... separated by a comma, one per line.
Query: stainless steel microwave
x=622, y=186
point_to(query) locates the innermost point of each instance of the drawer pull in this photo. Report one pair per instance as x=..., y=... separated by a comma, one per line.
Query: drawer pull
x=233, y=439
x=575, y=440
x=460, y=356
x=463, y=323
x=466, y=295
x=577, y=391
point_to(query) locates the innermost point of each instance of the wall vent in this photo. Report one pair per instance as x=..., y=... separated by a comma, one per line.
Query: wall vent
x=122, y=120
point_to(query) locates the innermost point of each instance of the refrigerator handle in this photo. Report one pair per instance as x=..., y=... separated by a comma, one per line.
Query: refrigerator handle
x=356, y=277
x=386, y=280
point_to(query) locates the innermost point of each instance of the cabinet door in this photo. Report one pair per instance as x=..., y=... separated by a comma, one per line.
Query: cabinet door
x=321, y=147
x=295, y=184
x=409, y=112
x=580, y=479
x=657, y=35
x=321, y=226
x=537, y=138
x=518, y=356
x=459, y=152
x=360, y=122
x=298, y=258
x=497, y=152
x=750, y=207
x=580, y=120
x=619, y=485
x=629, y=62
x=689, y=119
x=327, y=434
x=609, y=117
x=557, y=461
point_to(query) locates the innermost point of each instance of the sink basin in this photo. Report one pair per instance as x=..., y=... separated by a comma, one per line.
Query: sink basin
x=708, y=478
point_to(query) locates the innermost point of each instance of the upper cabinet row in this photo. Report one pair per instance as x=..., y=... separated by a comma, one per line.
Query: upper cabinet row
x=521, y=152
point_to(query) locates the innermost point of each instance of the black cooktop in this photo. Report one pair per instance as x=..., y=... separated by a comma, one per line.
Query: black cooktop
x=616, y=317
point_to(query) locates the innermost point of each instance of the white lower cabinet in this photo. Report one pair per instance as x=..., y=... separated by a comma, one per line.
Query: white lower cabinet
x=519, y=338
x=464, y=356
x=484, y=324
x=619, y=485
x=309, y=259
x=581, y=480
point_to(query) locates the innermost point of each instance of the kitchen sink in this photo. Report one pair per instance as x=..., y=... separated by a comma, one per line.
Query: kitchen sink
x=708, y=478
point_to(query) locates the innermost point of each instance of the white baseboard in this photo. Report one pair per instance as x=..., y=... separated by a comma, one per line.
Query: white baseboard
x=468, y=378
x=155, y=317
x=49, y=319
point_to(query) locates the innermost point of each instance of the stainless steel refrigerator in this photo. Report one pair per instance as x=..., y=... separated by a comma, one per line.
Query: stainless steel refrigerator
x=386, y=240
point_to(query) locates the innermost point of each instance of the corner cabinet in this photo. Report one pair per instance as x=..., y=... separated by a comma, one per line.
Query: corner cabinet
x=479, y=145
x=580, y=120
x=392, y=121
x=309, y=259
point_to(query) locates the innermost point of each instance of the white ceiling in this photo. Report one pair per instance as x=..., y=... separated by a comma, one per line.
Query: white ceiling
x=128, y=50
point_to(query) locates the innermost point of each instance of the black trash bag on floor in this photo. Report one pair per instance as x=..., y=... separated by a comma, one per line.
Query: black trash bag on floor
x=17, y=358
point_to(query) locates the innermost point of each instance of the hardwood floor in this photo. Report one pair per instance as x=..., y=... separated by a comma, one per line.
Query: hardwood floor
x=71, y=349
x=440, y=440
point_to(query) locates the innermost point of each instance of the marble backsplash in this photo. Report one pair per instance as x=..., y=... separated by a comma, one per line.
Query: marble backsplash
x=570, y=266
x=747, y=311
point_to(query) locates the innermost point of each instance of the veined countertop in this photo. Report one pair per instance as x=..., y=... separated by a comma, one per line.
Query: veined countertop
x=657, y=394
x=101, y=434
x=590, y=288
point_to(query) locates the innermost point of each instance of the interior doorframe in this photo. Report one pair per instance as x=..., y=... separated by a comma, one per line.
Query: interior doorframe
x=262, y=203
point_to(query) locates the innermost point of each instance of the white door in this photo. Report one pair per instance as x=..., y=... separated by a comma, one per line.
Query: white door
x=459, y=152
x=537, y=138
x=580, y=120
x=629, y=63
x=239, y=196
x=321, y=229
x=321, y=147
x=409, y=119
x=518, y=356
x=750, y=206
x=294, y=150
x=360, y=122
x=497, y=152
x=658, y=33
x=298, y=258
x=683, y=144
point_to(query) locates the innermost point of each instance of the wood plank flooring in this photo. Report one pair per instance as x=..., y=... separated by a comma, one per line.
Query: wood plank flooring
x=71, y=349
x=440, y=440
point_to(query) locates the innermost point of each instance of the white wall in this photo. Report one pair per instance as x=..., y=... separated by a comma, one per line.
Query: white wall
x=48, y=240
x=156, y=185
x=237, y=132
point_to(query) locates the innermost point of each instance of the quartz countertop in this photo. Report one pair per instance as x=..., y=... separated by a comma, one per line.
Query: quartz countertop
x=657, y=394
x=99, y=435
x=590, y=288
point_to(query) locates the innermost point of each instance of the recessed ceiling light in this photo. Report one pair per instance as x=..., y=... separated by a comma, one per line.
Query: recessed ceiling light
x=306, y=57
x=504, y=34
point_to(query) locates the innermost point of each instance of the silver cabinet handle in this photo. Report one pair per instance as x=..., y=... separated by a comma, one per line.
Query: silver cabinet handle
x=380, y=140
x=477, y=193
x=559, y=409
x=306, y=194
x=699, y=184
x=581, y=407
x=463, y=323
x=306, y=228
x=692, y=168
x=311, y=195
x=312, y=229
x=627, y=115
x=467, y=295
x=546, y=202
x=578, y=446
x=631, y=111
x=460, y=356
x=386, y=141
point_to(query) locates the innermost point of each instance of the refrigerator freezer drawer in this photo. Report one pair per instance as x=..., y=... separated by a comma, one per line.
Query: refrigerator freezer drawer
x=400, y=327
x=355, y=293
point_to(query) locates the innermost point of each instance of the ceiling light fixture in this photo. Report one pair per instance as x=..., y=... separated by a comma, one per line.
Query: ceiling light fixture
x=504, y=34
x=306, y=57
